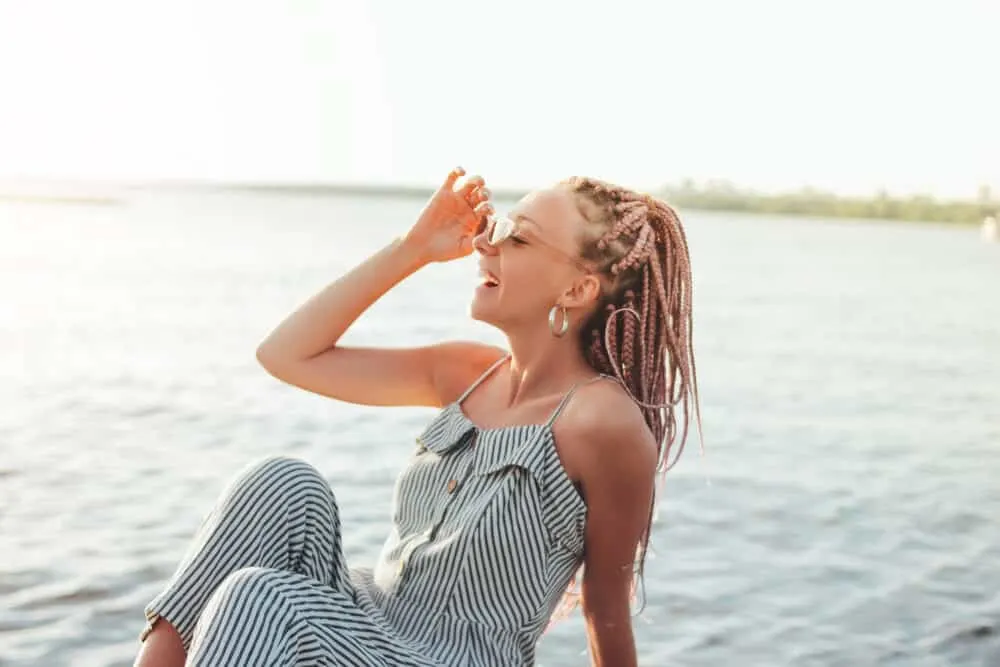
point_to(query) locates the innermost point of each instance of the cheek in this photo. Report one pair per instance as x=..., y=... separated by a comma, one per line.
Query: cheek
x=530, y=283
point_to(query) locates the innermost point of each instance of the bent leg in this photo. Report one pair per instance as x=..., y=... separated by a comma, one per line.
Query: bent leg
x=249, y=620
x=259, y=617
x=279, y=514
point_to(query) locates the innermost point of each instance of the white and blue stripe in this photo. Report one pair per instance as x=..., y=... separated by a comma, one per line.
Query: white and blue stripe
x=487, y=534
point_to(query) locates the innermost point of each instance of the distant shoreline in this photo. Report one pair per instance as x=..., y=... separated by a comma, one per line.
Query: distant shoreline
x=6, y=198
x=723, y=198
x=361, y=189
x=719, y=196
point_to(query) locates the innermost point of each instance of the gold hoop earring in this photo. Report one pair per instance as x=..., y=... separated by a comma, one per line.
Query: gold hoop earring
x=564, y=326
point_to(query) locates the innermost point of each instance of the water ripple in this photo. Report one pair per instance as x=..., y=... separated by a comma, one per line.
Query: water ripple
x=846, y=511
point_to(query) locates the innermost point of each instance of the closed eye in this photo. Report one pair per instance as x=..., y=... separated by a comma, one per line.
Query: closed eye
x=518, y=240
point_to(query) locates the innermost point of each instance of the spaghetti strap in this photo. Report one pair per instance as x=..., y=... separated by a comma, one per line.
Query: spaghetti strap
x=569, y=395
x=482, y=377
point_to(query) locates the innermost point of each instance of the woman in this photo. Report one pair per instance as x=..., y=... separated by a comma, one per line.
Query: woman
x=539, y=466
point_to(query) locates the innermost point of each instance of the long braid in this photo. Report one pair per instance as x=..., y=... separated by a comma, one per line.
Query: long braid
x=641, y=331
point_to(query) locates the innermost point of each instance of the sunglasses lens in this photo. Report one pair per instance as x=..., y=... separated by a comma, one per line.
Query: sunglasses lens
x=502, y=228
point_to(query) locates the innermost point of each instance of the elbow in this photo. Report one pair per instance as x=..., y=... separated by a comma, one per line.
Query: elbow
x=277, y=360
x=267, y=357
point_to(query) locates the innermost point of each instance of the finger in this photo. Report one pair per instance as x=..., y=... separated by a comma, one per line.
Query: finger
x=453, y=176
x=484, y=210
x=471, y=184
x=480, y=218
x=479, y=195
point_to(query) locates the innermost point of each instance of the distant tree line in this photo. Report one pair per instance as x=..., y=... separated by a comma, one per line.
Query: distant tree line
x=723, y=196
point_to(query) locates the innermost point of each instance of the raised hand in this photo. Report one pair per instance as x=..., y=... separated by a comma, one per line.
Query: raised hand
x=450, y=218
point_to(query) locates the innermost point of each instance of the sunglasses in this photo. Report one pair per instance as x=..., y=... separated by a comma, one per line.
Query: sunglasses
x=499, y=229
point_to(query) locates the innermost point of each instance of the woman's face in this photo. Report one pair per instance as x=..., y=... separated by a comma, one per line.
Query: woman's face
x=524, y=276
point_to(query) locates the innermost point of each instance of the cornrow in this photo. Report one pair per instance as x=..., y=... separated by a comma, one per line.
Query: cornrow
x=641, y=331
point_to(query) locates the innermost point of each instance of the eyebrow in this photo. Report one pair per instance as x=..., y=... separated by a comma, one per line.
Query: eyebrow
x=520, y=217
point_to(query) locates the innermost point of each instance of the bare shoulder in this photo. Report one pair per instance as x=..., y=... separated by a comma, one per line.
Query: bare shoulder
x=459, y=363
x=603, y=430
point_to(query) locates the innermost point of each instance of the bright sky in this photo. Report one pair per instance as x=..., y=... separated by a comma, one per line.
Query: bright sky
x=850, y=95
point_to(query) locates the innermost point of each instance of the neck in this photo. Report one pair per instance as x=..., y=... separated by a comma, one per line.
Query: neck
x=542, y=364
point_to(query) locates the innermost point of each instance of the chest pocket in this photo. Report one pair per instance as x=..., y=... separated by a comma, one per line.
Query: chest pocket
x=515, y=447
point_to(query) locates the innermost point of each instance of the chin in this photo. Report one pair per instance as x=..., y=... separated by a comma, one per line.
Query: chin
x=484, y=308
x=480, y=311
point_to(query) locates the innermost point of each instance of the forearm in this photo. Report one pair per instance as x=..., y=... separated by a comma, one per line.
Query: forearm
x=320, y=322
x=612, y=644
x=607, y=611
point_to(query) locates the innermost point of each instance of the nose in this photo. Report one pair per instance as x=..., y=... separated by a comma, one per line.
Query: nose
x=481, y=245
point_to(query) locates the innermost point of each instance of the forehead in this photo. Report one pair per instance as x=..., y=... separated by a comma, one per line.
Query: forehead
x=552, y=211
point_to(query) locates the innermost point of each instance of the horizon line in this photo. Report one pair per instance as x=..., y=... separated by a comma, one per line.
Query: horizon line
x=415, y=188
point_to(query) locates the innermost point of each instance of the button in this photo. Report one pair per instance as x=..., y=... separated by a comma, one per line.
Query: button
x=452, y=485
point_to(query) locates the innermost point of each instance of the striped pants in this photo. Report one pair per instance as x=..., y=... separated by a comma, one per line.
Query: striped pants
x=264, y=582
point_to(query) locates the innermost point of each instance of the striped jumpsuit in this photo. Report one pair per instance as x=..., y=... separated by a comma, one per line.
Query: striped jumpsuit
x=487, y=532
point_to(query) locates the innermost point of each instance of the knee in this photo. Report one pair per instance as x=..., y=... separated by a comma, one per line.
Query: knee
x=237, y=605
x=284, y=467
x=282, y=477
x=249, y=586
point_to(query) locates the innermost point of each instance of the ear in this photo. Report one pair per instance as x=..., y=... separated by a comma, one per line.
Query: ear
x=583, y=293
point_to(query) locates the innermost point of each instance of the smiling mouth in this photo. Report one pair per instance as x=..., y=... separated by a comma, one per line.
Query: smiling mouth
x=489, y=280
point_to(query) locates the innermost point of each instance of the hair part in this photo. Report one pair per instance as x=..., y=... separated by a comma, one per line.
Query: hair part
x=641, y=330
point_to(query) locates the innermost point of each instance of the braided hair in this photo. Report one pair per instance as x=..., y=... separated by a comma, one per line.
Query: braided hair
x=641, y=330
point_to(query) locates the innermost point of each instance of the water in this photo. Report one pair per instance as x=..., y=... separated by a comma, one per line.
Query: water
x=847, y=510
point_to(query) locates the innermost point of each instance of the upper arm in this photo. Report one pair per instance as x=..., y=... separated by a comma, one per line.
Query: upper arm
x=616, y=458
x=431, y=375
